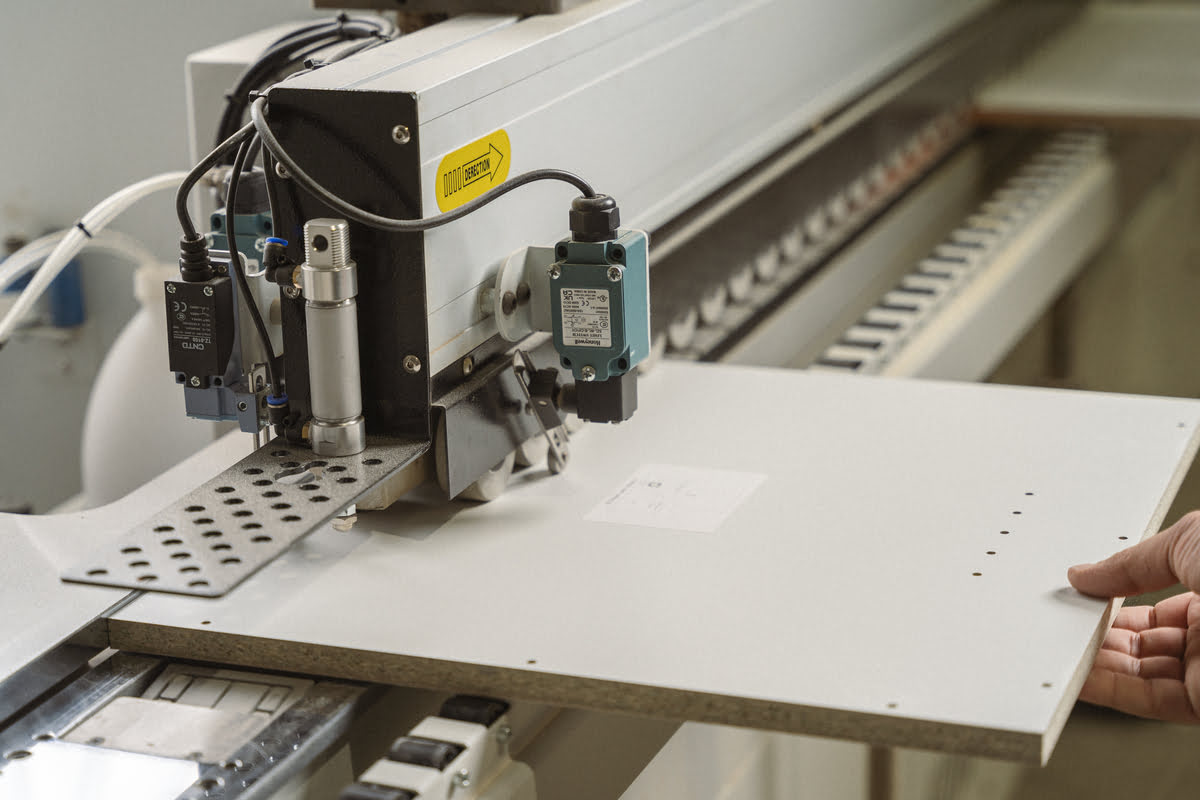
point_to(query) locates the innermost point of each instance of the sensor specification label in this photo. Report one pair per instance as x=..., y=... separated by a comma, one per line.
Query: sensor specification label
x=472, y=170
x=678, y=498
x=586, y=317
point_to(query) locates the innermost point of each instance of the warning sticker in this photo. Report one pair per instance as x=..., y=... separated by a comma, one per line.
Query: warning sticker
x=586, y=318
x=470, y=171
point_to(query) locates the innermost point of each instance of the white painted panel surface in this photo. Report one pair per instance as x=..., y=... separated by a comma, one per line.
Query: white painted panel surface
x=841, y=597
x=39, y=610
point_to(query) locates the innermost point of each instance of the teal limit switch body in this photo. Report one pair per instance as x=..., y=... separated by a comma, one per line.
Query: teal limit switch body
x=600, y=308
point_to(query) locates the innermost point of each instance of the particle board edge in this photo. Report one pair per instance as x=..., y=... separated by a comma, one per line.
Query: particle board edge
x=576, y=691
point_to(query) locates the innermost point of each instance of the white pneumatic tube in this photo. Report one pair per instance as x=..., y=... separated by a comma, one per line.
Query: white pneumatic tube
x=88, y=226
x=28, y=257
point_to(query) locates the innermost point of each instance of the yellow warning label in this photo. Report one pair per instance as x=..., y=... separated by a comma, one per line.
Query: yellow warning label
x=470, y=171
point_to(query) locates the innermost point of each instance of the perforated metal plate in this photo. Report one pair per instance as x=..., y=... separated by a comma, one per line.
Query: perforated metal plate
x=219, y=534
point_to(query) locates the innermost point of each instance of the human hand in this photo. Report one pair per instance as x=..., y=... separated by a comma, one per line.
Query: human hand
x=1149, y=664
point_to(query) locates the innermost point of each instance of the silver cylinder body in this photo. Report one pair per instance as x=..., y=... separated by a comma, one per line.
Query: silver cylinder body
x=330, y=283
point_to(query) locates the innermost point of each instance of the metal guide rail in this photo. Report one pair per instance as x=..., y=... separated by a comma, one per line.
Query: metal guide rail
x=136, y=726
x=885, y=329
x=220, y=533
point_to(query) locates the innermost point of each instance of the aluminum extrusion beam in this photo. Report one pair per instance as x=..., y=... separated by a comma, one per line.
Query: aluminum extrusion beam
x=659, y=102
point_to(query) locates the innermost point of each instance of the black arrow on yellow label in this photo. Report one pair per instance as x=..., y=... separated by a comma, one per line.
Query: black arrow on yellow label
x=471, y=170
x=486, y=166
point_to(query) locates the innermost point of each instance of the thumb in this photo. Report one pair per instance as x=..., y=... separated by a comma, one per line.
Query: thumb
x=1171, y=557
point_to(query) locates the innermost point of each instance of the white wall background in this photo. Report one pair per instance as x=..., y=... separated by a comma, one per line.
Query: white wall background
x=91, y=99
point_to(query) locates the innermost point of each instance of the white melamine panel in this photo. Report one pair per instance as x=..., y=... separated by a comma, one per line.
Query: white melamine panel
x=897, y=576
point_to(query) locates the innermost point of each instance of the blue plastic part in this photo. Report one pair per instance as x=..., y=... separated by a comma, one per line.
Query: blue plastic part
x=277, y=400
x=63, y=297
x=277, y=240
x=253, y=232
x=598, y=321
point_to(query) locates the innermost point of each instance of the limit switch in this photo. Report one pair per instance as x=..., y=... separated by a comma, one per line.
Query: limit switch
x=600, y=308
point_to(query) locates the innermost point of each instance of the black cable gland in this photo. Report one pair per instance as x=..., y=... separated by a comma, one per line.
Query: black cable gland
x=194, y=264
x=594, y=219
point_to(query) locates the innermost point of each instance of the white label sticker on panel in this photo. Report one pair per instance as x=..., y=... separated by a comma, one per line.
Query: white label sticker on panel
x=586, y=318
x=679, y=498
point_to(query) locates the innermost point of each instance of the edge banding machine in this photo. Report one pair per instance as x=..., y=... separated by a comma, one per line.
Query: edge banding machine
x=427, y=262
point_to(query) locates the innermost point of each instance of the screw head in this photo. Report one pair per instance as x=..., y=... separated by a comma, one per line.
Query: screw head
x=508, y=303
x=401, y=134
x=615, y=273
x=195, y=381
x=588, y=373
x=291, y=291
x=555, y=272
x=170, y=288
x=462, y=779
x=412, y=364
x=468, y=365
x=208, y=291
x=281, y=171
x=503, y=734
x=242, y=405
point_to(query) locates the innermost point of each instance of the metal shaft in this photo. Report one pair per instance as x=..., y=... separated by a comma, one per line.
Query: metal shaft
x=329, y=280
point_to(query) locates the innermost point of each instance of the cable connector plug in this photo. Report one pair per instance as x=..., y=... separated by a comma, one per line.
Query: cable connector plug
x=194, y=264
